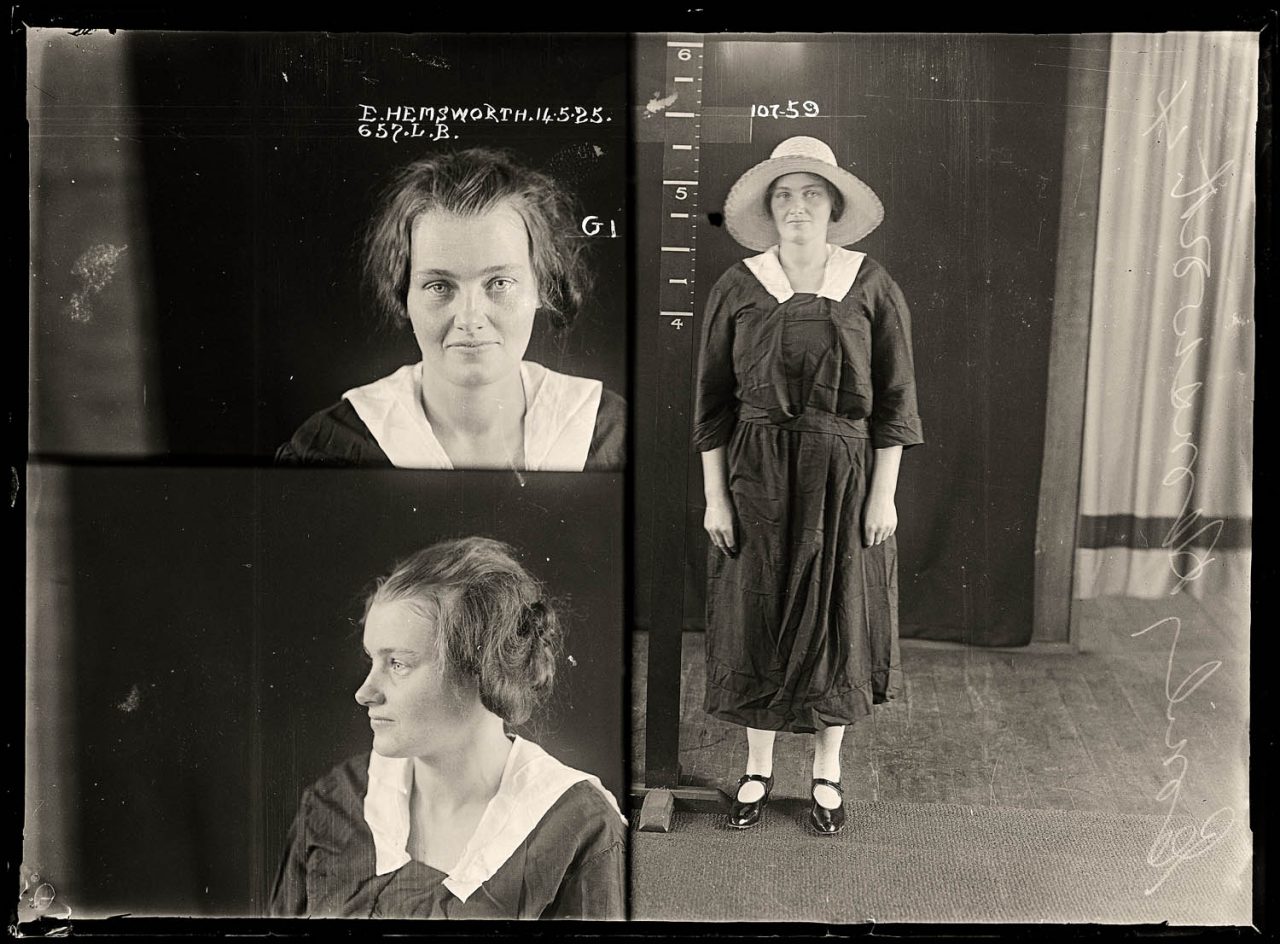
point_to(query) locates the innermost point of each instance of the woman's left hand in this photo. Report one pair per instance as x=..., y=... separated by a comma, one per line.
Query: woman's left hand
x=879, y=520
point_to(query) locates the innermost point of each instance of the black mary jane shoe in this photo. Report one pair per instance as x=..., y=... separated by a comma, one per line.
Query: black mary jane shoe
x=825, y=821
x=746, y=815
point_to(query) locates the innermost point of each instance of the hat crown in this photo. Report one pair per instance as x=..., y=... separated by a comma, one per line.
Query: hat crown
x=804, y=146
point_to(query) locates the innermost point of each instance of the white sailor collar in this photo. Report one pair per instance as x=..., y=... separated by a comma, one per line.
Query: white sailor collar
x=532, y=782
x=841, y=269
x=559, y=419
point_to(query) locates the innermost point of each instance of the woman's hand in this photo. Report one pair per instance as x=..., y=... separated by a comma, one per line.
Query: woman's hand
x=720, y=527
x=879, y=519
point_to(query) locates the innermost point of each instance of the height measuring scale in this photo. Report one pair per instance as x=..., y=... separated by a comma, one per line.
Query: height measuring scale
x=677, y=346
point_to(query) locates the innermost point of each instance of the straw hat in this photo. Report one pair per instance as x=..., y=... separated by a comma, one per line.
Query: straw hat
x=744, y=210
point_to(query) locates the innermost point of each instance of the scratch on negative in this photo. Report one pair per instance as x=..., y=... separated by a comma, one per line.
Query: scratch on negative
x=132, y=701
x=95, y=269
x=655, y=104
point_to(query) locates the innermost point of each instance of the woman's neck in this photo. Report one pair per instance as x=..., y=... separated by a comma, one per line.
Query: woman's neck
x=477, y=423
x=803, y=255
x=804, y=263
x=469, y=775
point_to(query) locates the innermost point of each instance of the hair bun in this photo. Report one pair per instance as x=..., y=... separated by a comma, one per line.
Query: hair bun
x=533, y=620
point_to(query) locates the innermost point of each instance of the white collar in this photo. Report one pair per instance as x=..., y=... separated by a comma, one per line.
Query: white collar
x=841, y=269
x=532, y=781
x=559, y=419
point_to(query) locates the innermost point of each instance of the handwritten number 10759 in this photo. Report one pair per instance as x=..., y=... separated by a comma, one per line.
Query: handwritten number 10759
x=792, y=109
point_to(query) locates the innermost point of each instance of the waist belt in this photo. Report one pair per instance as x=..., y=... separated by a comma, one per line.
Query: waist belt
x=808, y=422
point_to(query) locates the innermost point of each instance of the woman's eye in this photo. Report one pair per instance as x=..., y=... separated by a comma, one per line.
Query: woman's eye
x=398, y=666
x=436, y=288
x=502, y=285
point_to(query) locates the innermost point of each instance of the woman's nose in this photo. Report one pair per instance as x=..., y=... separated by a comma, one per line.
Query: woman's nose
x=368, y=693
x=471, y=310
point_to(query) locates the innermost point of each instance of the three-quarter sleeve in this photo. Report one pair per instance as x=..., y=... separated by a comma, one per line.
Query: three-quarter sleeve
x=289, y=894
x=895, y=418
x=716, y=403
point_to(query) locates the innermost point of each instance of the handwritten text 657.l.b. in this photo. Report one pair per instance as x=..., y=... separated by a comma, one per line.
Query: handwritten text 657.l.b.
x=435, y=121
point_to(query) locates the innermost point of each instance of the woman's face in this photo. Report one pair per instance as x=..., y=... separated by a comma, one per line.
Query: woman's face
x=801, y=208
x=472, y=293
x=415, y=708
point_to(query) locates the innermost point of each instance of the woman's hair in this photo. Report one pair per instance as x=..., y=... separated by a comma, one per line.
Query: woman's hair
x=469, y=183
x=492, y=623
x=837, y=198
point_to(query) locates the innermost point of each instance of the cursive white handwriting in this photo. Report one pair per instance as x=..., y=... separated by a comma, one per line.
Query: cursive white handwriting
x=1172, y=847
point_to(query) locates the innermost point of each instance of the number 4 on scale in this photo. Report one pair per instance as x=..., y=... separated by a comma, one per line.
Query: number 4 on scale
x=677, y=323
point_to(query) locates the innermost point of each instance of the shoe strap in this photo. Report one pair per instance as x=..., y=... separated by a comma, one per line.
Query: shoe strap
x=761, y=778
x=834, y=785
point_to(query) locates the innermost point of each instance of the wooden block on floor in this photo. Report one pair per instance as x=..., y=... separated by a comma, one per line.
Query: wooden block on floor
x=657, y=811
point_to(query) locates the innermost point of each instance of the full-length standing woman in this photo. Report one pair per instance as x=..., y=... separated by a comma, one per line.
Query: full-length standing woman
x=806, y=400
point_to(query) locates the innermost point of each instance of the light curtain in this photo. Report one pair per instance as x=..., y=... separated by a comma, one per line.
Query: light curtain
x=1166, y=478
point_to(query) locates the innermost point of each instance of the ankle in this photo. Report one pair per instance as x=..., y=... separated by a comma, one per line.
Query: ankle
x=827, y=797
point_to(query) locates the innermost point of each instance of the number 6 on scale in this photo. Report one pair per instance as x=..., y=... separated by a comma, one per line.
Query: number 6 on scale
x=684, y=55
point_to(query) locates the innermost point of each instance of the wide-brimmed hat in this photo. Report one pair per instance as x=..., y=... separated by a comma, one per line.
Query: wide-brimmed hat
x=744, y=209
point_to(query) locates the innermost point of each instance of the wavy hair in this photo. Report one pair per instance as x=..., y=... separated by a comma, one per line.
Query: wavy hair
x=468, y=183
x=493, y=623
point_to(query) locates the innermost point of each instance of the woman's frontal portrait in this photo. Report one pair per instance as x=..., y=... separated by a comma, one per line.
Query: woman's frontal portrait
x=801, y=206
x=472, y=295
x=470, y=250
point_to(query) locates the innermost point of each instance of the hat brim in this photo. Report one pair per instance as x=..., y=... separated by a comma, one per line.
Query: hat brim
x=750, y=225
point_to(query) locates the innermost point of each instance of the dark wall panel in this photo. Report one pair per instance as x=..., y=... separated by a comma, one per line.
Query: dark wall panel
x=962, y=138
x=217, y=652
x=257, y=183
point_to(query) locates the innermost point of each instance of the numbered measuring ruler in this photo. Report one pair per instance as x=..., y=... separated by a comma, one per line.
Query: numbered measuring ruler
x=682, y=126
x=677, y=344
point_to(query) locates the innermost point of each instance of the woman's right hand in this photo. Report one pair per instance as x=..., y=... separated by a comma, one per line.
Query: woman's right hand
x=720, y=527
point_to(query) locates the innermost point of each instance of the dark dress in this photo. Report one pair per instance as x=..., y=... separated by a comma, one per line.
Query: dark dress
x=570, y=866
x=338, y=437
x=802, y=627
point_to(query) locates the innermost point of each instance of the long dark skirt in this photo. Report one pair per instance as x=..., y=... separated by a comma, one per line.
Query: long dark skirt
x=802, y=625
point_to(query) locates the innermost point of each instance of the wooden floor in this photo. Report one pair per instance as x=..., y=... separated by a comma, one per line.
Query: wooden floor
x=1024, y=728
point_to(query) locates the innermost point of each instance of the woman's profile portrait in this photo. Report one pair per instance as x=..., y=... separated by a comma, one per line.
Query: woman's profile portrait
x=805, y=402
x=467, y=249
x=449, y=814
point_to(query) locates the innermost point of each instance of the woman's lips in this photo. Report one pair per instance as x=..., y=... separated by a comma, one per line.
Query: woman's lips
x=380, y=722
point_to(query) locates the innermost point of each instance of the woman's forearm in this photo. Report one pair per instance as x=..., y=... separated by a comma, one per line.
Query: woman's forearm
x=715, y=476
x=884, y=474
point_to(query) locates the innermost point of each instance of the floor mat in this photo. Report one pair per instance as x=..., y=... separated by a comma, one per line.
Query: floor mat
x=898, y=862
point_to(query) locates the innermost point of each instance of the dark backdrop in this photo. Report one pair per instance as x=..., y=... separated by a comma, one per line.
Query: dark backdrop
x=257, y=182
x=962, y=138
x=217, y=652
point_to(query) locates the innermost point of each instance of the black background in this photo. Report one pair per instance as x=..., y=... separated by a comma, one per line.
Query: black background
x=257, y=184
x=962, y=138
x=217, y=653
